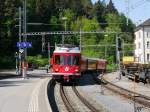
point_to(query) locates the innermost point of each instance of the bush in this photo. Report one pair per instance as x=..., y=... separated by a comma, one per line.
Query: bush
x=37, y=60
x=112, y=67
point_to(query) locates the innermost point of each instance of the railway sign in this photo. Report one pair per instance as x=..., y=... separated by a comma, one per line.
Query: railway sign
x=24, y=44
x=21, y=50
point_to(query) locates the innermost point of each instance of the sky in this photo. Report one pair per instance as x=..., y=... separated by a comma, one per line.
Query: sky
x=139, y=10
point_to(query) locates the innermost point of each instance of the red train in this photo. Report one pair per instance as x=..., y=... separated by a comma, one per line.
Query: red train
x=68, y=64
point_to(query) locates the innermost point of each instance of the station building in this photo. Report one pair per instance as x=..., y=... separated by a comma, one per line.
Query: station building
x=142, y=42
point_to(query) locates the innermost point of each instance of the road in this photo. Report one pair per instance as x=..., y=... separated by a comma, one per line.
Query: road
x=24, y=95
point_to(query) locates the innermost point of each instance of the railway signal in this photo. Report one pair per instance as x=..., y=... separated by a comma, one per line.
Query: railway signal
x=119, y=45
x=118, y=49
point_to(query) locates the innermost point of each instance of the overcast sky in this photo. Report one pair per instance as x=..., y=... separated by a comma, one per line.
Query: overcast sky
x=139, y=9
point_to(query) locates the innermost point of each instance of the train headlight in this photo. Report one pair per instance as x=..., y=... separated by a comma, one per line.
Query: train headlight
x=56, y=69
x=76, y=70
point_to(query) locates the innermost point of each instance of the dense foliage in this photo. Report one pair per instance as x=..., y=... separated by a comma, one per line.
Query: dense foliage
x=80, y=14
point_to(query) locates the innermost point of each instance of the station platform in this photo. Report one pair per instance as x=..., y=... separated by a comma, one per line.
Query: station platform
x=124, y=82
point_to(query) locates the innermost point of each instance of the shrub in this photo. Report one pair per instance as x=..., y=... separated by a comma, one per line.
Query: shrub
x=37, y=60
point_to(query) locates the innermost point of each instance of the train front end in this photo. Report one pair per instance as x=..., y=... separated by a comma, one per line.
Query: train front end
x=66, y=63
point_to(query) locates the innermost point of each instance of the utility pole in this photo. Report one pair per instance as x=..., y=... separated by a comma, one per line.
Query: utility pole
x=80, y=40
x=20, y=20
x=118, y=48
x=25, y=24
x=49, y=55
x=105, y=51
x=24, y=39
x=65, y=25
x=127, y=11
x=43, y=43
x=20, y=26
x=123, y=50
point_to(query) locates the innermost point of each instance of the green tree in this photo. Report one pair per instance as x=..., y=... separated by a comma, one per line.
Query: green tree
x=111, y=8
x=113, y=20
x=99, y=10
x=87, y=39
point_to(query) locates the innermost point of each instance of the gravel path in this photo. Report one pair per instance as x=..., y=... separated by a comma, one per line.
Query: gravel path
x=128, y=84
x=107, y=100
x=58, y=99
x=78, y=105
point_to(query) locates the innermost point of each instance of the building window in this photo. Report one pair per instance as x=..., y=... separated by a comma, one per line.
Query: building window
x=148, y=45
x=139, y=45
x=148, y=34
x=148, y=57
x=139, y=35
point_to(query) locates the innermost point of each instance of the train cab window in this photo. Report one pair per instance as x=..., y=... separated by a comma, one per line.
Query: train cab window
x=60, y=60
x=70, y=60
x=73, y=60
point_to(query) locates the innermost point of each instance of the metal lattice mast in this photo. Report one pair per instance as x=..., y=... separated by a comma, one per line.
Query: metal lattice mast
x=127, y=11
x=25, y=23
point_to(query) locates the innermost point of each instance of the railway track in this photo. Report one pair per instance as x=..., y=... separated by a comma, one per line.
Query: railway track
x=139, y=98
x=65, y=99
x=91, y=107
x=69, y=105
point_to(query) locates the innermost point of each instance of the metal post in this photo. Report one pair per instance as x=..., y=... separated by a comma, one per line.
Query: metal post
x=105, y=51
x=80, y=41
x=16, y=56
x=123, y=51
x=20, y=26
x=65, y=24
x=127, y=13
x=49, y=55
x=25, y=23
x=119, y=65
x=43, y=43
x=116, y=49
x=23, y=70
x=134, y=96
x=118, y=56
x=63, y=38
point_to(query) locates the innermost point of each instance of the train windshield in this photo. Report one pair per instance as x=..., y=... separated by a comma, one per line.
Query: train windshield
x=60, y=60
x=73, y=60
x=67, y=60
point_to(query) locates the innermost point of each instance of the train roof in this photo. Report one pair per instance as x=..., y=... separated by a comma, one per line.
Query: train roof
x=99, y=59
x=66, y=49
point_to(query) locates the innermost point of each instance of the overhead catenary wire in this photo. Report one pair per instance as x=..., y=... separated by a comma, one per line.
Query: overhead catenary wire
x=135, y=5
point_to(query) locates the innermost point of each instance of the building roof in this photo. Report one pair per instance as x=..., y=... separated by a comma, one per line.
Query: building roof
x=145, y=23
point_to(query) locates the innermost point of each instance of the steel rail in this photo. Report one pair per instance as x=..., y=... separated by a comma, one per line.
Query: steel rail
x=65, y=100
x=91, y=107
x=139, y=98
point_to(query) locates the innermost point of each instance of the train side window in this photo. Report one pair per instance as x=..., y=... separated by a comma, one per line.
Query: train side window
x=76, y=60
